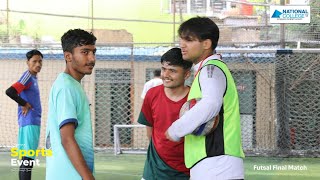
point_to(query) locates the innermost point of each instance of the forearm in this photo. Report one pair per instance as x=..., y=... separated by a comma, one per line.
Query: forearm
x=13, y=94
x=213, y=86
x=74, y=153
x=205, y=110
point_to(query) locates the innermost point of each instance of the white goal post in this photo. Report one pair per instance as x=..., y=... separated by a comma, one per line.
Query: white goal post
x=137, y=144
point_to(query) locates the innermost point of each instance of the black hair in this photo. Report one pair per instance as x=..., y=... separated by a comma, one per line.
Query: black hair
x=201, y=28
x=174, y=57
x=33, y=52
x=75, y=38
x=157, y=72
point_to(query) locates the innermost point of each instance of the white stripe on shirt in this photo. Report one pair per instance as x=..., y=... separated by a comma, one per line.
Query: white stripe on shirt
x=25, y=78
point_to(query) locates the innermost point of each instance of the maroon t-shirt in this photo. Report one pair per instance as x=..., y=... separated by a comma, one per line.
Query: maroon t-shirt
x=159, y=112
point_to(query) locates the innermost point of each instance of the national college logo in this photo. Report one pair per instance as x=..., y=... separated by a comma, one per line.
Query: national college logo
x=276, y=14
x=289, y=14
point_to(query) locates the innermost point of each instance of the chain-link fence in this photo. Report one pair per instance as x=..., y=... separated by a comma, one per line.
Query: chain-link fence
x=278, y=92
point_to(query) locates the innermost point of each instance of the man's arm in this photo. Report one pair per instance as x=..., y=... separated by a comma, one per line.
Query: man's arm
x=13, y=94
x=145, y=116
x=213, y=86
x=149, y=132
x=73, y=151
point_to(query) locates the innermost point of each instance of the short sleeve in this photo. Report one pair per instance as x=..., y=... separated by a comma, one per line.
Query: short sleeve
x=25, y=78
x=66, y=106
x=18, y=87
x=23, y=82
x=145, y=116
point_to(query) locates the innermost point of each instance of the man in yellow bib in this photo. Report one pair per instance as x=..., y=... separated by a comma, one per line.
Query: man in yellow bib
x=218, y=155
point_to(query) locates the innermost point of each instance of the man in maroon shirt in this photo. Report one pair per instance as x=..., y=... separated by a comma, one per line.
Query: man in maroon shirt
x=161, y=107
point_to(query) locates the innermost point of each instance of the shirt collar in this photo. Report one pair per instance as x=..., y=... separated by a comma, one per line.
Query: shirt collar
x=212, y=57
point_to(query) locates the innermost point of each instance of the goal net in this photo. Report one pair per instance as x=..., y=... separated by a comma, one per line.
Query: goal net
x=137, y=145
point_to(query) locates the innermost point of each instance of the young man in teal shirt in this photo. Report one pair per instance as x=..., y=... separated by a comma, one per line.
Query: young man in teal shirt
x=69, y=127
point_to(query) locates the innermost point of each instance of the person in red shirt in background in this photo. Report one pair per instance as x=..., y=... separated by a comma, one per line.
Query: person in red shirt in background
x=161, y=107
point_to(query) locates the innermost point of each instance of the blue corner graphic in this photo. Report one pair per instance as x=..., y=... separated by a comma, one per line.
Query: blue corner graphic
x=276, y=14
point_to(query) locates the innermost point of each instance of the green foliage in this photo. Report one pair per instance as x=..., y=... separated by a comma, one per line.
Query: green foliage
x=309, y=31
x=259, y=10
x=14, y=29
x=22, y=26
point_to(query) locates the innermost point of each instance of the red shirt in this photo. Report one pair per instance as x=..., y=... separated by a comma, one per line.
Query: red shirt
x=160, y=112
